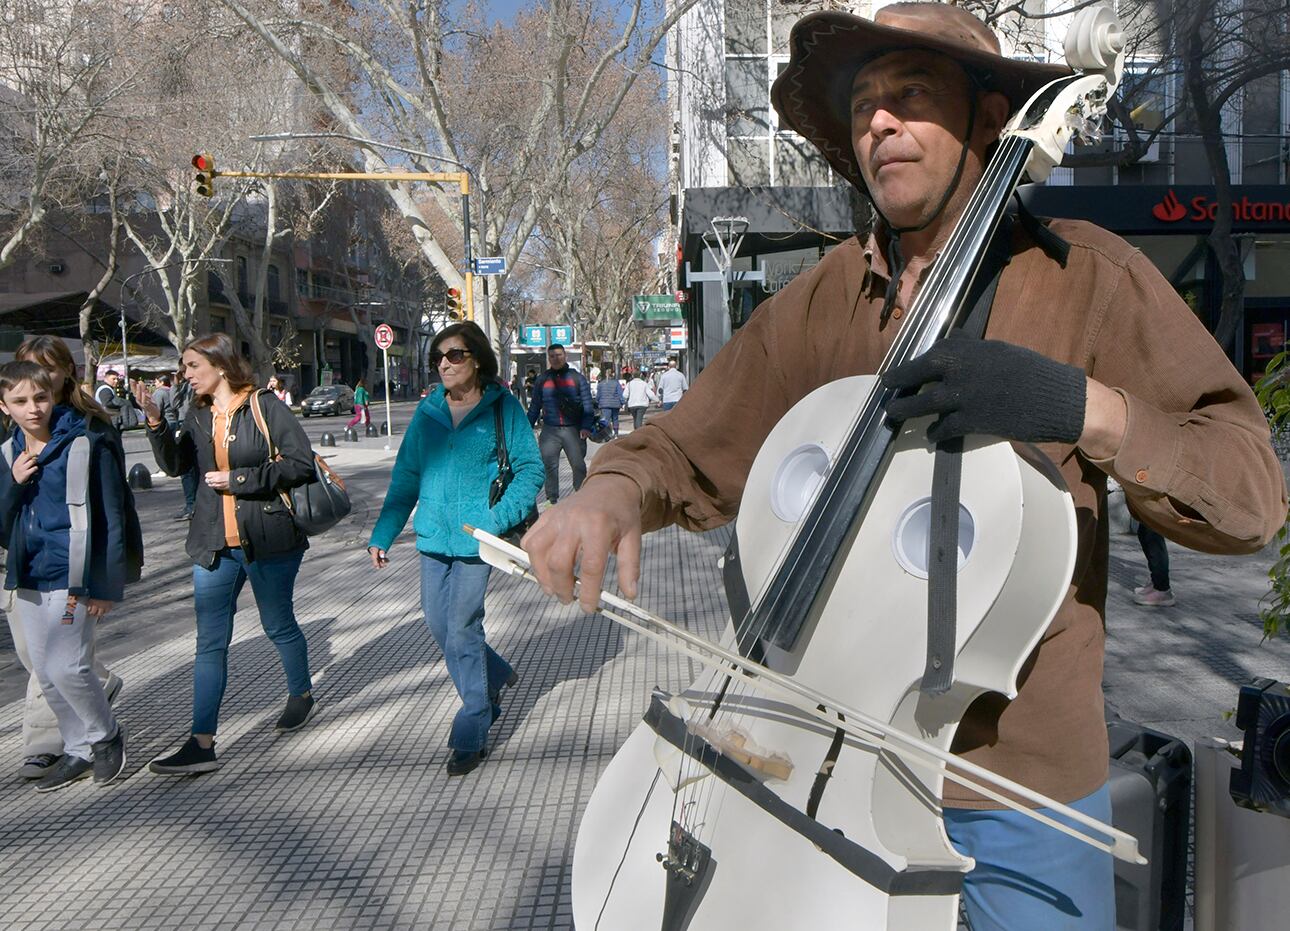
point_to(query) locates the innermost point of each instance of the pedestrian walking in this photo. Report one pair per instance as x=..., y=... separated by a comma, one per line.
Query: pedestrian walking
x=609, y=397
x=62, y=517
x=562, y=400
x=640, y=395
x=241, y=529
x=181, y=399
x=361, y=401
x=672, y=384
x=163, y=397
x=279, y=390
x=1156, y=593
x=110, y=396
x=42, y=743
x=445, y=469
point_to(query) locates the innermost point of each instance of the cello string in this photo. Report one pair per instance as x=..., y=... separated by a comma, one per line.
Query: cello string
x=978, y=213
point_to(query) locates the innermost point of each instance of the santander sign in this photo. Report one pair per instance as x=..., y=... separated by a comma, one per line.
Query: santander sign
x=1201, y=209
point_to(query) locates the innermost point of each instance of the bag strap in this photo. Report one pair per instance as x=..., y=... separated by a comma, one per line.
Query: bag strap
x=503, y=457
x=78, y=512
x=260, y=421
x=7, y=450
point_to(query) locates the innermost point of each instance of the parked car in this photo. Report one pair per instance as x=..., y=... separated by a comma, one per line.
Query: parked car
x=328, y=399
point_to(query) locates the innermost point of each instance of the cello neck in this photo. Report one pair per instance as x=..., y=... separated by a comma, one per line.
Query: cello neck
x=781, y=611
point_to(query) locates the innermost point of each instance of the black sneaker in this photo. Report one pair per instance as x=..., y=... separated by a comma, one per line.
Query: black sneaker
x=191, y=760
x=67, y=770
x=109, y=757
x=36, y=766
x=461, y=762
x=300, y=708
x=185, y=514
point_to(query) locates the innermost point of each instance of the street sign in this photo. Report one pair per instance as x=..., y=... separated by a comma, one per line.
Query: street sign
x=682, y=297
x=656, y=310
x=678, y=335
x=533, y=337
x=490, y=265
x=384, y=336
x=562, y=334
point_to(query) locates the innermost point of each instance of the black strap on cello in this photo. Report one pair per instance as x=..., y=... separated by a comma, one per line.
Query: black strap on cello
x=947, y=471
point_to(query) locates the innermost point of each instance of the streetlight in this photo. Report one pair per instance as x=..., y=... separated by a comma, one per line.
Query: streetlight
x=483, y=228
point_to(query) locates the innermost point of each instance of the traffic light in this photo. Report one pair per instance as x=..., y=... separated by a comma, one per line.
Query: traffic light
x=454, y=304
x=205, y=180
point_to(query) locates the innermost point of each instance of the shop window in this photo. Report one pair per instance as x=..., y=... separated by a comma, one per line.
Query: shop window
x=747, y=97
x=748, y=161
x=745, y=27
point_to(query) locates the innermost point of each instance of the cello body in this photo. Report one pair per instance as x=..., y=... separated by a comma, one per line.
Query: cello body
x=875, y=853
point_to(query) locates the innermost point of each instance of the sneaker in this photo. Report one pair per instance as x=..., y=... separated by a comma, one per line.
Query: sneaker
x=1156, y=599
x=185, y=514
x=1143, y=589
x=191, y=760
x=109, y=757
x=113, y=687
x=67, y=770
x=300, y=708
x=463, y=761
x=36, y=766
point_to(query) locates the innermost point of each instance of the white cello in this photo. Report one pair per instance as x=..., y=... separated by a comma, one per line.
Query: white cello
x=711, y=815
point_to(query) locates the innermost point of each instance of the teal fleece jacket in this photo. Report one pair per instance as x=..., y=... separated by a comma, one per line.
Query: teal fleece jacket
x=445, y=473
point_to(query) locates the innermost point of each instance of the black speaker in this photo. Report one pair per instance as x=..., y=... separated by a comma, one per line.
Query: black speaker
x=1263, y=781
x=1150, y=785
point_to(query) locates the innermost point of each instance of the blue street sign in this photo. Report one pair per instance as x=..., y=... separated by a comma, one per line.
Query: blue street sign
x=562, y=334
x=533, y=337
x=490, y=265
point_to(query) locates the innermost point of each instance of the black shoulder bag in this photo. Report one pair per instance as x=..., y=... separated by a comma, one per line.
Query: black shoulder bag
x=319, y=504
x=505, y=474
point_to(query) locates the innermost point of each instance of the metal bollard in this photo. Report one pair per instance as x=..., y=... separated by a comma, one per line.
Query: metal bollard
x=351, y=435
x=139, y=476
x=327, y=439
x=371, y=429
x=385, y=428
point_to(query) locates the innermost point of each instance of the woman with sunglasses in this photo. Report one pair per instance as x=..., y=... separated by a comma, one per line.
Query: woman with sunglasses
x=445, y=469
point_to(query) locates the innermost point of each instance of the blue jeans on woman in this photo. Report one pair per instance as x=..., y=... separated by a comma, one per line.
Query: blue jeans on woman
x=215, y=591
x=452, y=597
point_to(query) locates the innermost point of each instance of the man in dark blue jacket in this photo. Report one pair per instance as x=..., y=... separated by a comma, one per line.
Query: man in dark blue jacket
x=562, y=398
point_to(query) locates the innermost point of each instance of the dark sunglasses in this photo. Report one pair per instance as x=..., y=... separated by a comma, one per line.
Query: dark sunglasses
x=455, y=356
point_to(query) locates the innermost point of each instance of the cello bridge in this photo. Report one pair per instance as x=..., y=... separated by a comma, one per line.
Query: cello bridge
x=737, y=745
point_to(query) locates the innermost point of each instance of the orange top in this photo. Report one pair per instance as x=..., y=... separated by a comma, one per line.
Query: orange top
x=220, y=421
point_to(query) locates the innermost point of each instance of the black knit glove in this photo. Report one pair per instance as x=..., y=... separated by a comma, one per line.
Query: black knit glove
x=993, y=388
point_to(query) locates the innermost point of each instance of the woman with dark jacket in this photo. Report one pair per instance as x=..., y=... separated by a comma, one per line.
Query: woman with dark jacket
x=241, y=528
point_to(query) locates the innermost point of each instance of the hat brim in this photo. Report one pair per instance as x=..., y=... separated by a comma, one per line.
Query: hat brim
x=812, y=94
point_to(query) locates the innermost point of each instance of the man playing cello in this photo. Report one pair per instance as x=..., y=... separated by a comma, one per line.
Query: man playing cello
x=1088, y=353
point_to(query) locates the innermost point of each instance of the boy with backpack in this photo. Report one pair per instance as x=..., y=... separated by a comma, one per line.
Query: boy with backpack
x=63, y=520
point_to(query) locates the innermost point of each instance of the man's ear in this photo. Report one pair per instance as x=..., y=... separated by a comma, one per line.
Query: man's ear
x=993, y=110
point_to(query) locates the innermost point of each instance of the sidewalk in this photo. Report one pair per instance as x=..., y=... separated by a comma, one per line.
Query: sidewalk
x=352, y=823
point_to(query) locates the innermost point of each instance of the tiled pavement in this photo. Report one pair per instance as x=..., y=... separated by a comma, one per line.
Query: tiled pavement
x=352, y=823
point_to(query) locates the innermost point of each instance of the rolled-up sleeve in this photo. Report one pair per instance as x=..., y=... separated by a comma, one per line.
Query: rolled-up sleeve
x=1196, y=462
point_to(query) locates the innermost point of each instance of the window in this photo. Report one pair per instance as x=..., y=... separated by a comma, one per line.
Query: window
x=746, y=27
x=274, y=284
x=747, y=97
x=1262, y=142
x=242, y=286
x=302, y=282
x=748, y=161
x=219, y=323
x=798, y=163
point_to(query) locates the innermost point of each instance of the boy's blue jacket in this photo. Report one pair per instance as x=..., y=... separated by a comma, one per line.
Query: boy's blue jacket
x=445, y=473
x=34, y=521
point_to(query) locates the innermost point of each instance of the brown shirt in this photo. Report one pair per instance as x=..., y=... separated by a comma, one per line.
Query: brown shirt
x=221, y=423
x=1196, y=462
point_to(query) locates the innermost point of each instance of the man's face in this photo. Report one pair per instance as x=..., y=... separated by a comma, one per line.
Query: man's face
x=555, y=358
x=909, y=113
x=114, y=379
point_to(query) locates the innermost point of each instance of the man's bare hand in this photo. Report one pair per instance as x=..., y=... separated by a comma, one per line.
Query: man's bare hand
x=603, y=517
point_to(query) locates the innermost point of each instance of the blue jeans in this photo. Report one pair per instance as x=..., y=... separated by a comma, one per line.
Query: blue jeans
x=1030, y=876
x=452, y=597
x=668, y=405
x=610, y=414
x=215, y=591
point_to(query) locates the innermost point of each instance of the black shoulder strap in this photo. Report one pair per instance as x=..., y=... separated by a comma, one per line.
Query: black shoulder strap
x=947, y=471
x=503, y=457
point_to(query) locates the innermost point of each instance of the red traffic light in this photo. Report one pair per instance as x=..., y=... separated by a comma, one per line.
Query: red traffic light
x=203, y=162
x=454, y=292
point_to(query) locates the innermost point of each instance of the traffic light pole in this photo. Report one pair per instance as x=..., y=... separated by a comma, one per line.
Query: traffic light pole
x=460, y=178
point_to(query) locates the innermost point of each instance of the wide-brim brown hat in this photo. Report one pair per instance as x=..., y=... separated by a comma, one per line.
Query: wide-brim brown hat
x=813, y=94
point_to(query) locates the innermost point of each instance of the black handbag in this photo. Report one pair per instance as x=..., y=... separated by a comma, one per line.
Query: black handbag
x=504, y=476
x=319, y=504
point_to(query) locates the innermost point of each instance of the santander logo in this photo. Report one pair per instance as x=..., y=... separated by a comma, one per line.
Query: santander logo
x=1170, y=209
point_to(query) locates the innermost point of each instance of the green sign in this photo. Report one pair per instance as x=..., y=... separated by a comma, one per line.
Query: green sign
x=656, y=310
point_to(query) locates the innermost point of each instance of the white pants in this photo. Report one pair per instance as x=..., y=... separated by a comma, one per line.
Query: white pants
x=61, y=657
x=39, y=726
